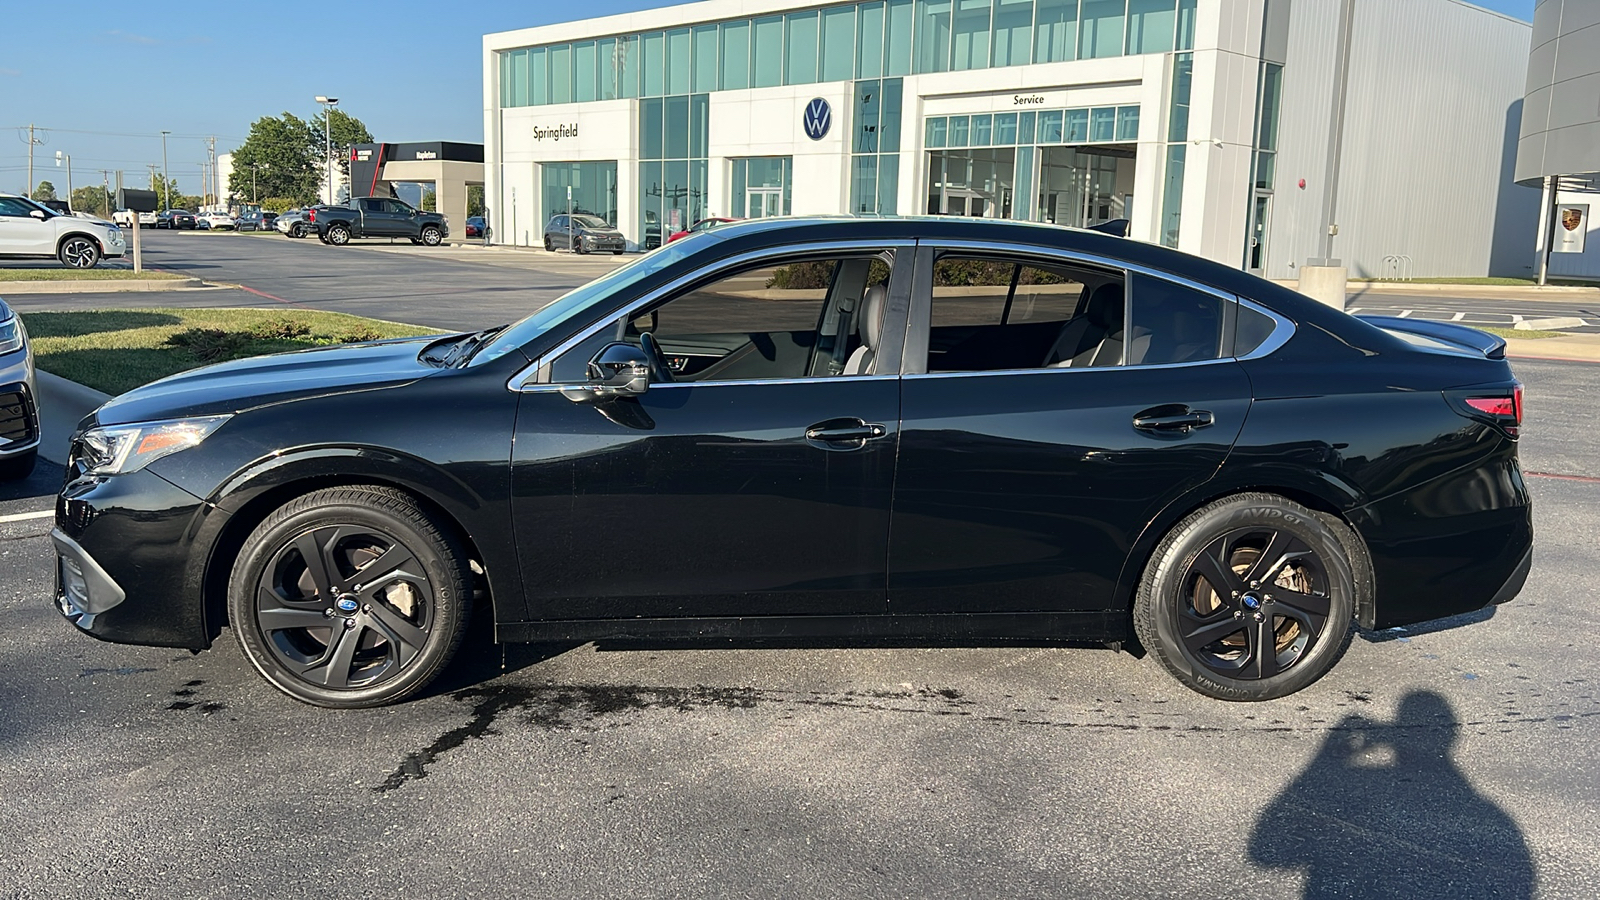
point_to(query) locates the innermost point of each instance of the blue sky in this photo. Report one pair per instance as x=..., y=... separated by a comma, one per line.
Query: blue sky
x=106, y=77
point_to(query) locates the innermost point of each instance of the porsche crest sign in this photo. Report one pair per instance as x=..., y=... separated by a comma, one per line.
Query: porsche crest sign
x=1572, y=223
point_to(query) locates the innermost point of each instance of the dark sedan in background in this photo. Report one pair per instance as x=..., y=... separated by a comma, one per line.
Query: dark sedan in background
x=909, y=428
x=583, y=234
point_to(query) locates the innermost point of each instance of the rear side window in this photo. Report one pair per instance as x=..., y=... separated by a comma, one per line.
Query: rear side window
x=1170, y=323
x=1252, y=330
x=998, y=314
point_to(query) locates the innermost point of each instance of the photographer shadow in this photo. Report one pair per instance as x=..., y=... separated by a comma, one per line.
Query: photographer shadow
x=1382, y=811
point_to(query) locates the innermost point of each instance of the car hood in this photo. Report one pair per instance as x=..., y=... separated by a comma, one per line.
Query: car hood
x=266, y=380
x=603, y=232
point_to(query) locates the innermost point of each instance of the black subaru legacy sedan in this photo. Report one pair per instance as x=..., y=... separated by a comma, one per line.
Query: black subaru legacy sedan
x=910, y=428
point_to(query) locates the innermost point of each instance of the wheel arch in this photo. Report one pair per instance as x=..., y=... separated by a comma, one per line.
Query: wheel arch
x=62, y=241
x=254, y=497
x=1323, y=495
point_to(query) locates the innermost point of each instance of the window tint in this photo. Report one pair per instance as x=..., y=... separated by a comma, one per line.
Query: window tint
x=11, y=206
x=992, y=314
x=1171, y=323
x=794, y=319
x=1251, y=330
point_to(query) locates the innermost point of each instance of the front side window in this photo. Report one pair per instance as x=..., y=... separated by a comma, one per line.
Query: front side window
x=13, y=207
x=800, y=318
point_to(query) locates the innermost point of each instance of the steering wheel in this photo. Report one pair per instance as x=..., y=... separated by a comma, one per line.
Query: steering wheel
x=660, y=372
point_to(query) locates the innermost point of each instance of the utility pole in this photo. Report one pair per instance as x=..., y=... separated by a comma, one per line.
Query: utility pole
x=105, y=187
x=68, y=157
x=216, y=180
x=166, y=192
x=33, y=141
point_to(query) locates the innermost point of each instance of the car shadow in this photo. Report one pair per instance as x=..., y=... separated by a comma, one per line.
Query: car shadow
x=1406, y=632
x=1383, y=812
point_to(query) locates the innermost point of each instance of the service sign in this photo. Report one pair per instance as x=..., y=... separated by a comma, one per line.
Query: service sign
x=1572, y=222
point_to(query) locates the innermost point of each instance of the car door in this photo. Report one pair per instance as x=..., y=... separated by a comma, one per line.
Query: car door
x=1051, y=408
x=20, y=233
x=376, y=220
x=756, y=482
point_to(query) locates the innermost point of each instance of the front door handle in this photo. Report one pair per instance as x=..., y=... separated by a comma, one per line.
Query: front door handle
x=1172, y=417
x=844, y=434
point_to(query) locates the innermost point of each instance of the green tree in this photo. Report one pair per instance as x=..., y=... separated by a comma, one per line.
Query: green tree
x=475, y=200
x=93, y=200
x=45, y=191
x=281, y=157
x=345, y=130
x=430, y=200
x=167, y=193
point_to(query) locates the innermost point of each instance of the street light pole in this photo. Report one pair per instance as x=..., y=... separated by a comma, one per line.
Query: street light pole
x=328, y=103
x=166, y=192
x=68, y=157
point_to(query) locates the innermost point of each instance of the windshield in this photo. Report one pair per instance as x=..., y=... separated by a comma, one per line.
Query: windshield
x=590, y=222
x=574, y=302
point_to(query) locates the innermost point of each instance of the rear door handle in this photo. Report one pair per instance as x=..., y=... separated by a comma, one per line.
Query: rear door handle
x=842, y=434
x=1172, y=417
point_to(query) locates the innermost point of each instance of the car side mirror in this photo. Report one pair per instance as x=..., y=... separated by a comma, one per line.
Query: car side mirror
x=38, y=214
x=619, y=370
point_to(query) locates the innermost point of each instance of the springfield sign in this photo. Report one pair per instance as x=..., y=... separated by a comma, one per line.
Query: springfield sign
x=555, y=133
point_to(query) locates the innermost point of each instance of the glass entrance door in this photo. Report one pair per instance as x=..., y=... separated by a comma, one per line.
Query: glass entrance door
x=763, y=202
x=1255, y=252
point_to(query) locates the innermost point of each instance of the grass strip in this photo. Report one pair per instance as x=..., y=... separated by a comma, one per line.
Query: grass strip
x=116, y=350
x=1519, y=335
x=96, y=274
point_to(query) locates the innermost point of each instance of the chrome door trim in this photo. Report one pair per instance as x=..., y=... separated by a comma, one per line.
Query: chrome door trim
x=534, y=375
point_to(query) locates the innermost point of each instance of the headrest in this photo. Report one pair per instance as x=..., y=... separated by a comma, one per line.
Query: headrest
x=871, y=317
x=1105, y=306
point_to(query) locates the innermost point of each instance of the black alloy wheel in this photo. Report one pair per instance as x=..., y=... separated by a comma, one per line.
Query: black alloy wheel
x=297, y=230
x=1251, y=597
x=338, y=235
x=350, y=597
x=78, y=252
x=578, y=247
x=549, y=245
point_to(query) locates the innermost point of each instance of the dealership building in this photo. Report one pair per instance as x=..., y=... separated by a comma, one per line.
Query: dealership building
x=1266, y=134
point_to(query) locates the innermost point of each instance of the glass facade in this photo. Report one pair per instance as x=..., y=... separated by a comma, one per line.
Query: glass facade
x=841, y=42
x=674, y=133
x=593, y=184
x=1095, y=125
x=875, y=147
x=1177, y=149
x=1267, y=99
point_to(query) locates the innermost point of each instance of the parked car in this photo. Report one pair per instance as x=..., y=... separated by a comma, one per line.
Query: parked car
x=19, y=413
x=377, y=217
x=180, y=219
x=475, y=226
x=703, y=225
x=293, y=224
x=583, y=234
x=124, y=218
x=926, y=428
x=269, y=218
x=28, y=229
x=217, y=220
x=201, y=223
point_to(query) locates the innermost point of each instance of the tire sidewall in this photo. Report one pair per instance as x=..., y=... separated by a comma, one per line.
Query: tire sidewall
x=1156, y=609
x=431, y=236
x=338, y=235
x=447, y=615
x=94, y=258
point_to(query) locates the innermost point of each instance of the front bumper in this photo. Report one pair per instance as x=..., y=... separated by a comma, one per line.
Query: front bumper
x=19, y=410
x=114, y=246
x=130, y=559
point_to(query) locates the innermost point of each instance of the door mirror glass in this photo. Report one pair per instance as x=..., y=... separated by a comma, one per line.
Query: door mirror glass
x=618, y=370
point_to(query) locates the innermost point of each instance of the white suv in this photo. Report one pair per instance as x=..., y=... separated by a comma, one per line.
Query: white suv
x=28, y=229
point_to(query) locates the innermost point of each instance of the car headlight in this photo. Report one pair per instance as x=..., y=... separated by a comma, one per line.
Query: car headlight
x=11, y=333
x=120, y=449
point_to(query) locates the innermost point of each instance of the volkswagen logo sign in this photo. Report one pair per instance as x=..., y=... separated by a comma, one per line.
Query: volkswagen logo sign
x=817, y=118
x=347, y=604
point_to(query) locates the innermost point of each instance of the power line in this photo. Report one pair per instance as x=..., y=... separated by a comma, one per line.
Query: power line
x=153, y=134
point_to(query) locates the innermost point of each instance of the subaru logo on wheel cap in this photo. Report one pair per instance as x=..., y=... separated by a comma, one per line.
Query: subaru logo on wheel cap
x=817, y=118
x=347, y=604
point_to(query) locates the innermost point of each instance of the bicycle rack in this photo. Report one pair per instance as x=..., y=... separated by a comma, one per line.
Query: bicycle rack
x=1396, y=267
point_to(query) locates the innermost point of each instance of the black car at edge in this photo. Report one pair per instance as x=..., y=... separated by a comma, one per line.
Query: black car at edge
x=820, y=428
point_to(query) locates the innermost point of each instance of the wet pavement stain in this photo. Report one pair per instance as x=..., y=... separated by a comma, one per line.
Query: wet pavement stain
x=586, y=707
x=188, y=690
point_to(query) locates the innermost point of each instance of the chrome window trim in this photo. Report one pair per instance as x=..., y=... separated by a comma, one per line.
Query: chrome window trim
x=821, y=379
x=1284, y=328
x=531, y=377
x=1052, y=369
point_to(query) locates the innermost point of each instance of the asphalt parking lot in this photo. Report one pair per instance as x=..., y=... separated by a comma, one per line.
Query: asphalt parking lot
x=1444, y=761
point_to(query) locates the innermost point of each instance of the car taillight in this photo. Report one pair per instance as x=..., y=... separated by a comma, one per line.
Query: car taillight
x=1504, y=408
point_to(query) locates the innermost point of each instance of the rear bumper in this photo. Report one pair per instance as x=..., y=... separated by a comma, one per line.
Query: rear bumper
x=1454, y=545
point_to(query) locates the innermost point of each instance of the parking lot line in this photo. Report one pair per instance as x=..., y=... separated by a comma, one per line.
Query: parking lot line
x=22, y=517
